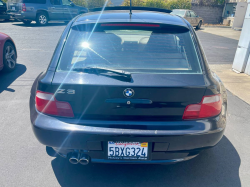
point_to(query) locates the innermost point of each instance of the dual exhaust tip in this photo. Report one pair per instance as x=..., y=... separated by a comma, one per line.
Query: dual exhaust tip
x=77, y=157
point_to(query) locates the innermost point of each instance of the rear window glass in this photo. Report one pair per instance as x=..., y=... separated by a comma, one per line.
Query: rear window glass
x=136, y=49
x=35, y=1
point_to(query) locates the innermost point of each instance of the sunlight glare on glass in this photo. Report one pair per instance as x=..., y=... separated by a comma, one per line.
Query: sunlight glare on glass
x=85, y=45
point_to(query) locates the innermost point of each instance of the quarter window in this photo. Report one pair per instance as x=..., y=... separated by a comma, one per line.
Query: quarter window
x=192, y=14
x=66, y=2
x=188, y=14
x=55, y=2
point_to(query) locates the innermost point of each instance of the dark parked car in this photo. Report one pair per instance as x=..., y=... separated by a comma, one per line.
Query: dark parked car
x=189, y=15
x=3, y=11
x=43, y=11
x=129, y=89
x=8, y=54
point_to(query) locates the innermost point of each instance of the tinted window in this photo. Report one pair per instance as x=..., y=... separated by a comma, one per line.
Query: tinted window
x=55, y=2
x=192, y=14
x=137, y=50
x=188, y=14
x=66, y=2
x=35, y=1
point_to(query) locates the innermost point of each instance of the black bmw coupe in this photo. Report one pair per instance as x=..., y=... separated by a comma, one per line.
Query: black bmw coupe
x=128, y=88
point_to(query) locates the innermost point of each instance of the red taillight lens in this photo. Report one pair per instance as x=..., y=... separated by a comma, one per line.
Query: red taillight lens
x=47, y=104
x=210, y=106
x=24, y=7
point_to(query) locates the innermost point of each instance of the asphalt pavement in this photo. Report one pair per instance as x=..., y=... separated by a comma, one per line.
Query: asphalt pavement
x=24, y=161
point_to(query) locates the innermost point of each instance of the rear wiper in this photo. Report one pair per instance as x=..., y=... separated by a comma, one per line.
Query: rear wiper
x=97, y=70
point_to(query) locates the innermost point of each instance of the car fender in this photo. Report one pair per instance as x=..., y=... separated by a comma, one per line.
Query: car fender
x=82, y=10
x=42, y=10
x=3, y=39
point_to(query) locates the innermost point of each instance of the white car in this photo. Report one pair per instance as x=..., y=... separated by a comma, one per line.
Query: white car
x=189, y=15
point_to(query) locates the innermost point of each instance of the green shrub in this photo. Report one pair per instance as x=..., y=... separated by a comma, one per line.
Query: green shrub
x=209, y=2
x=134, y=3
x=80, y=2
x=167, y=4
x=91, y=3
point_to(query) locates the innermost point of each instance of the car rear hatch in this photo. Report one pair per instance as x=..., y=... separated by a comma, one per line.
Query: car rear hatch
x=155, y=97
x=162, y=59
x=14, y=6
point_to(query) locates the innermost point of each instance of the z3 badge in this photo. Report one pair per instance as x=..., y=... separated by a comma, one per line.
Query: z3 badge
x=64, y=91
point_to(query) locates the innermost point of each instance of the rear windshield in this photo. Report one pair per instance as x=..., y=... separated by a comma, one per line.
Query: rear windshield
x=136, y=48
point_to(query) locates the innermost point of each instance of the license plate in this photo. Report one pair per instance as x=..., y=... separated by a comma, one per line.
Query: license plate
x=128, y=150
x=13, y=8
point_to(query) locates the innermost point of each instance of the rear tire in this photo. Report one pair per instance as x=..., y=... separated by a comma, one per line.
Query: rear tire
x=42, y=19
x=199, y=25
x=9, y=57
x=26, y=22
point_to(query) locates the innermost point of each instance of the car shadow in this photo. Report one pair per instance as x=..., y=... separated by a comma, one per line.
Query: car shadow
x=200, y=29
x=6, y=79
x=218, y=166
x=33, y=24
x=8, y=21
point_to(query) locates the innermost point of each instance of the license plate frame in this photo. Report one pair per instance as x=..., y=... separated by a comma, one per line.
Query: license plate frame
x=142, y=154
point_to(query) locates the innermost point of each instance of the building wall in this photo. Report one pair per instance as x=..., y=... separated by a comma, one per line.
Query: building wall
x=210, y=14
x=235, y=1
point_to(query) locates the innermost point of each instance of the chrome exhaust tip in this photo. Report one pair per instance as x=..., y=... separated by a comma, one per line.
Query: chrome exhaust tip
x=84, y=159
x=74, y=158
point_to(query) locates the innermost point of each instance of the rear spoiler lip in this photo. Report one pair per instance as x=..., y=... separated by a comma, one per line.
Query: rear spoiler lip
x=170, y=23
x=132, y=8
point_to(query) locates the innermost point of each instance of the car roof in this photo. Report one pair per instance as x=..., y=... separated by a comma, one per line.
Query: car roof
x=140, y=16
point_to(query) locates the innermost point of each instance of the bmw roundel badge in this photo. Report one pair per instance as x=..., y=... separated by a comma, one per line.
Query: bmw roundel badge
x=128, y=92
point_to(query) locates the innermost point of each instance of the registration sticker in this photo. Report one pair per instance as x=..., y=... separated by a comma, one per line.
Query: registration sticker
x=128, y=150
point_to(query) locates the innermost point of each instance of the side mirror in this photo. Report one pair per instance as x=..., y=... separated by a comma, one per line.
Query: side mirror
x=72, y=4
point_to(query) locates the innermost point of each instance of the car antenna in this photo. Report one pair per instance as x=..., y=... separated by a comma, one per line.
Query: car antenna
x=130, y=8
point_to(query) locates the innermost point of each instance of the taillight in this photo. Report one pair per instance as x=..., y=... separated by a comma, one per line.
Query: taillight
x=24, y=7
x=210, y=106
x=47, y=104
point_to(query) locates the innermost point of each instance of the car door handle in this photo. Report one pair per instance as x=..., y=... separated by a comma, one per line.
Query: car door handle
x=65, y=8
x=52, y=7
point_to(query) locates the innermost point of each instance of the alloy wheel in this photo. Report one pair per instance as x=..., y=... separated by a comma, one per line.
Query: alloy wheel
x=42, y=19
x=10, y=57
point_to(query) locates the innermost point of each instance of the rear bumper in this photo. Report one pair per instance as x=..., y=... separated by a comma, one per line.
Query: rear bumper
x=4, y=16
x=183, y=143
x=18, y=16
x=23, y=16
x=152, y=161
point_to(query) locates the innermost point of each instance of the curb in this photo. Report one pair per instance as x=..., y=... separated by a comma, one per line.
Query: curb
x=222, y=26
